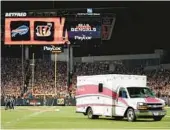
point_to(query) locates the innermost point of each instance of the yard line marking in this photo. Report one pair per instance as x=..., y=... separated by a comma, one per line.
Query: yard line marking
x=166, y=128
x=23, y=118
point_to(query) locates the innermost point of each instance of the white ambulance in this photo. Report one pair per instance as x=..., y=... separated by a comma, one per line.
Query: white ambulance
x=117, y=96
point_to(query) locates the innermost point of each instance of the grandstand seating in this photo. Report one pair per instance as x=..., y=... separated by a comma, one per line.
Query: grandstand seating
x=158, y=80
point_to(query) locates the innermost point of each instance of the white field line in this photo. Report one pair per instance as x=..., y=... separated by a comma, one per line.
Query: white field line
x=23, y=118
x=145, y=128
x=46, y=109
x=75, y=123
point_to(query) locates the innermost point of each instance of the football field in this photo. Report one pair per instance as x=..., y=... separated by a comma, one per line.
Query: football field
x=65, y=118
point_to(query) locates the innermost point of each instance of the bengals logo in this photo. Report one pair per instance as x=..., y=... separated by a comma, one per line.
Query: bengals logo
x=44, y=30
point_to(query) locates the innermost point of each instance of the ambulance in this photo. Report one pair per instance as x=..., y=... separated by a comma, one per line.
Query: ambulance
x=118, y=96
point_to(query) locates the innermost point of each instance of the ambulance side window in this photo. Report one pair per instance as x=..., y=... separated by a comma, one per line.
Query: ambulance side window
x=122, y=93
x=100, y=87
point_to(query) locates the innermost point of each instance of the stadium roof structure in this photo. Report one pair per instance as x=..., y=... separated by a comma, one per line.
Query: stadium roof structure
x=120, y=12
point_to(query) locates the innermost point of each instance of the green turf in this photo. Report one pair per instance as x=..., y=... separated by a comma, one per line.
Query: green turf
x=49, y=117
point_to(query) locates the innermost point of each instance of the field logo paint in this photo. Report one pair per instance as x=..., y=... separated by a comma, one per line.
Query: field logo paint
x=22, y=30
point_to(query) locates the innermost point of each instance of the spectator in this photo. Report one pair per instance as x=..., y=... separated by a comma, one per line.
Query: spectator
x=158, y=80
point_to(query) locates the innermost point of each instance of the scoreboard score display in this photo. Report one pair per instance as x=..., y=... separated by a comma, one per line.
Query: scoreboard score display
x=83, y=29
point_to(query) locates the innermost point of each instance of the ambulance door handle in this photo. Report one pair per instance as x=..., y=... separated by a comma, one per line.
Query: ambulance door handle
x=98, y=97
x=117, y=99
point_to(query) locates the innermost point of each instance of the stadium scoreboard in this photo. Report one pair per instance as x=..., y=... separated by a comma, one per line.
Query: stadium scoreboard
x=24, y=28
x=83, y=28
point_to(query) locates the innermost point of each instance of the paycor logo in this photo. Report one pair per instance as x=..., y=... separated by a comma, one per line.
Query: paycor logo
x=83, y=37
x=52, y=49
x=16, y=14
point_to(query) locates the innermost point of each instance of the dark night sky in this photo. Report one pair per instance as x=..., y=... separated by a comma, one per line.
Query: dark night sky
x=140, y=26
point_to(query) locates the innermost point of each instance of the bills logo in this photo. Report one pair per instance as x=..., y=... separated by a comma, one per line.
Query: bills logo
x=84, y=27
x=22, y=30
x=44, y=30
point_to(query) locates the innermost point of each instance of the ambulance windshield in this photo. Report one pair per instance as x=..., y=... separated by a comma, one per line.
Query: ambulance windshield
x=140, y=92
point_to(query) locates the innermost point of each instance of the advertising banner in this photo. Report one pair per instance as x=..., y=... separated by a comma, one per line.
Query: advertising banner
x=53, y=49
x=60, y=101
x=35, y=102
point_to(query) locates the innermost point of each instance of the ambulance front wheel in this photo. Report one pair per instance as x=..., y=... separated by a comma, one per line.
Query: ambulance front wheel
x=157, y=118
x=131, y=115
x=90, y=114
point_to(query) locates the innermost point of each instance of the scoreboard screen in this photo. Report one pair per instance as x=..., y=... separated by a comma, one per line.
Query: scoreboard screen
x=84, y=30
x=31, y=30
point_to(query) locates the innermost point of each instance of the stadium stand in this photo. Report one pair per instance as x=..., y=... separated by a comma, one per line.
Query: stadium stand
x=158, y=80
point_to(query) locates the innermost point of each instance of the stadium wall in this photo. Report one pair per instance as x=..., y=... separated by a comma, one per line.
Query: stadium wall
x=164, y=66
x=120, y=57
x=56, y=101
x=41, y=102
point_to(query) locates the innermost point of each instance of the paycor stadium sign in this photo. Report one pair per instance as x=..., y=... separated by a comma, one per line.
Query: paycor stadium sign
x=53, y=49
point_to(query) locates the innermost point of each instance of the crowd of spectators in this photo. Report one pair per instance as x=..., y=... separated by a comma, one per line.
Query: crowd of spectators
x=11, y=77
x=45, y=77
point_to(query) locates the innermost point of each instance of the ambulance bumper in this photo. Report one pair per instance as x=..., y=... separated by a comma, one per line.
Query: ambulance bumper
x=150, y=113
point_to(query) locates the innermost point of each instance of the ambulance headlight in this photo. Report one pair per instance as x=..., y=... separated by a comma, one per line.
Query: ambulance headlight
x=141, y=106
x=164, y=106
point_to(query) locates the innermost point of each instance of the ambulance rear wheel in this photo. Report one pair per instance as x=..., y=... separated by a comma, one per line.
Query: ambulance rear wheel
x=90, y=114
x=131, y=115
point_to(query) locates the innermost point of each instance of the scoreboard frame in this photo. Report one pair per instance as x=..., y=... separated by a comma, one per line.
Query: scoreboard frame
x=58, y=31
